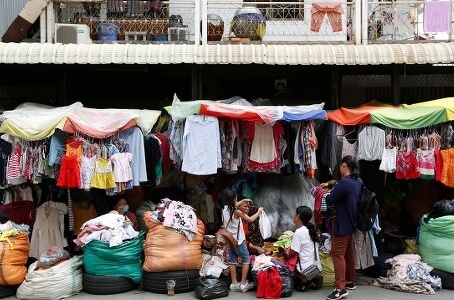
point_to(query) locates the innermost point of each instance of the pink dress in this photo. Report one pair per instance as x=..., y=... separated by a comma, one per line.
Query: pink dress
x=122, y=166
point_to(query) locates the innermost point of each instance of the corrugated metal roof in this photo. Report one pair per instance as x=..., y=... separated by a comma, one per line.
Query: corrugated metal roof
x=271, y=54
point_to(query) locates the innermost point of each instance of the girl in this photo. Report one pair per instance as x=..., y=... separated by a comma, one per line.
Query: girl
x=233, y=218
x=305, y=242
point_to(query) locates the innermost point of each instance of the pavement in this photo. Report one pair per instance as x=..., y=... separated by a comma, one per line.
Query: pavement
x=363, y=291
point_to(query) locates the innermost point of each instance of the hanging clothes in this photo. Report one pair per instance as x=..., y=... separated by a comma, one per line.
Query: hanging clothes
x=437, y=16
x=406, y=165
x=447, y=174
x=46, y=231
x=83, y=211
x=371, y=142
x=62, y=210
x=14, y=172
x=134, y=138
x=332, y=10
x=274, y=139
x=5, y=151
x=103, y=177
x=201, y=145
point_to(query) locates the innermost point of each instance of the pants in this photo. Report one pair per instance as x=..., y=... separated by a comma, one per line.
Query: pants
x=343, y=254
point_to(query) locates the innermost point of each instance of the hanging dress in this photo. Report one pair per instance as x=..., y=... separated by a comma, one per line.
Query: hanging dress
x=46, y=231
x=103, y=177
x=69, y=175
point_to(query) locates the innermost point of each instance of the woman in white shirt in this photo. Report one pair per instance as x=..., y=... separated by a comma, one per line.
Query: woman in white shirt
x=305, y=242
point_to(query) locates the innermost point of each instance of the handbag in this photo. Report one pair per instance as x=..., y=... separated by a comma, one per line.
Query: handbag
x=227, y=236
x=312, y=271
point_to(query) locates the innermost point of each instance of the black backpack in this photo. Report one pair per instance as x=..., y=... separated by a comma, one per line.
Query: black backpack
x=367, y=209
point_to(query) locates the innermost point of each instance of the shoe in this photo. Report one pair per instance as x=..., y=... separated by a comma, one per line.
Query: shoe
x=336, y=295
x=350, y=286
x=317, y=283
x=246, y=287
x=235, y=287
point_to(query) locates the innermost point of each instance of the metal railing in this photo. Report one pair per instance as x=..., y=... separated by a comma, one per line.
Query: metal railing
x=218, y=21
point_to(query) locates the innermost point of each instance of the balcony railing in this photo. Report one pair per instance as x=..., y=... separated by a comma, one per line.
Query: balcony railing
x=218, y=21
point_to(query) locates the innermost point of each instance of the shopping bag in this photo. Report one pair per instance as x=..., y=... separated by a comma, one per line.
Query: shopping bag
x=264, y=225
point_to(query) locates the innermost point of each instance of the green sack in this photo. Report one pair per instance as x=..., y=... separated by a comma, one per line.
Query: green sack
x=124, y=260
x=436, y=242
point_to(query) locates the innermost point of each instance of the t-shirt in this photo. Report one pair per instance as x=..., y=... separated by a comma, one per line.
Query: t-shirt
x=303, y=244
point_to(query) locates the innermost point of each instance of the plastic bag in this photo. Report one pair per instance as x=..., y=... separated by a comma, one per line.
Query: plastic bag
x=210, y=288
x=52, y=256
x=264, y=225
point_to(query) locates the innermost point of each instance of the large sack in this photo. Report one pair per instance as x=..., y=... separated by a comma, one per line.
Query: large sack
x=327, y=269
x=436, y=242
x=59, y=281
x=124, y=260
x=168, y=250
x=14, y=255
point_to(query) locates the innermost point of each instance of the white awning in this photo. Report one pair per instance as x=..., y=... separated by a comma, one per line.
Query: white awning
x=254, y=53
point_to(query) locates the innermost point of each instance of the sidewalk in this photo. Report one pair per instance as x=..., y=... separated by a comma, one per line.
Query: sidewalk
x=362, y=292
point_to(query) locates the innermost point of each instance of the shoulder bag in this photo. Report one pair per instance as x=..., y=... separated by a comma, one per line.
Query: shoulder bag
x=312, y=271
x=227, y=236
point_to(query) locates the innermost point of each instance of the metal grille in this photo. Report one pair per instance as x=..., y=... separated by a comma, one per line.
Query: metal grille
x=359, y=89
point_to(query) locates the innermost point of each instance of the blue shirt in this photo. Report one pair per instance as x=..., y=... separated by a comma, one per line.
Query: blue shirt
x=344, y=196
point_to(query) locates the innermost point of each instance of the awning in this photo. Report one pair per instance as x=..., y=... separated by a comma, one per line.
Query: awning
x=252, y=53
x=355, y=116
x=239, y=108
x=404, y=116
x=33, y=122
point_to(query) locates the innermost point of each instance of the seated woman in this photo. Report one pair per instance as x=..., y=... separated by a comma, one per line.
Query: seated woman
x=305, y=242
x=122, y=208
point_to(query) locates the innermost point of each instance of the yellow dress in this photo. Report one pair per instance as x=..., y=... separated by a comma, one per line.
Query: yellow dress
x=103, y=177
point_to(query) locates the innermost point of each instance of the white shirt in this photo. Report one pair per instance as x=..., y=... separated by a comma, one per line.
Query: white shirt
x=235, y=225
x=201, y=145
x=302, y=243
x=371, y=142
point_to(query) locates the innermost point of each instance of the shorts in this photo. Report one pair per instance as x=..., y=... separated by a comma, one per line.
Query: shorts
x=240, y=251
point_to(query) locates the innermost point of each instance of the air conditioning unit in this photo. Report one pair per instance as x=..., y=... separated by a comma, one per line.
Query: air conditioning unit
x=72, y=34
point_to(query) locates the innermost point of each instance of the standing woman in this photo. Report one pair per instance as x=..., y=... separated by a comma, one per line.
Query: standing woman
x=233, y=219
x=344, y=196
x=305, y=242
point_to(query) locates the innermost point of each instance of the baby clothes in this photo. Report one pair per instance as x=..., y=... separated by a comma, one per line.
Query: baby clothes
x=389, y=160
x=122, y=166
x=103, y=177
x=87, y=169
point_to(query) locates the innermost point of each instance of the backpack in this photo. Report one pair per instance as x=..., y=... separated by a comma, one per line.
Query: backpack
x=367, y=209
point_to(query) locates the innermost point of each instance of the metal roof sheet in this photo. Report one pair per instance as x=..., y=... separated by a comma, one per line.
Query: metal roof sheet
x=271, y=54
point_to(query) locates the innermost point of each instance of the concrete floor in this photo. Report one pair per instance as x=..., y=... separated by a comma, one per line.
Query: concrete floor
x=363, y=291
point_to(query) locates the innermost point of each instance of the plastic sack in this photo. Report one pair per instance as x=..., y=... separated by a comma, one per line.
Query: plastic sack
x=124, y=260
x=288, y=284
x=210, y=288
x=264, y=225
x=52, y=256
x=62, y=280
x=280, y=196
x=436, y=241
x=14, y=254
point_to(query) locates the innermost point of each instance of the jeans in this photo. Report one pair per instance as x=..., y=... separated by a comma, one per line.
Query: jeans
x=241, y=251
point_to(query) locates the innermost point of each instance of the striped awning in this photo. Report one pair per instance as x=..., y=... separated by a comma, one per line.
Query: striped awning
x=253, y=53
